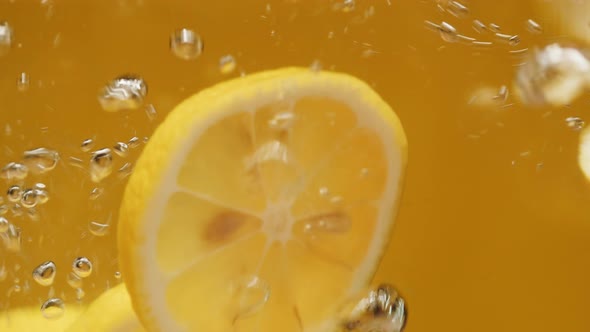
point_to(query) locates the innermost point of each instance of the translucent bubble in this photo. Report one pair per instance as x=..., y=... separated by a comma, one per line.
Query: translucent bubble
x=3, y=225
x=133, y=142
x=250, y=293
x=324, y=191
x=74, y=280
x=121, y=149
x=96, y=193
x=14, y=171
x=575, y=123
x=53, y=308
x=150, y=112
x=23, y=82
x=533, y=27
x=41, y=160
x=227, y=64
x=44, y=274
x=29, y=198
x=447, y=32
x=124, y=92
x=12, y=238
x=87, y=145
x=14, y=193
x=101, y=164
x=5, y=38
x=41, y=192
x=82, y=267
x=118, y=275
x=97, y=228
x=186, y=44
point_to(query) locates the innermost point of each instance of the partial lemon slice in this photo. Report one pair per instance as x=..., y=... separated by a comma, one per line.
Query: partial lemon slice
x=261, y=203
x=110, y=312
x=30, y=319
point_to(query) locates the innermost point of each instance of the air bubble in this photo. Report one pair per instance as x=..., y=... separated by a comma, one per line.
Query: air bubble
x=133, y=142
x=96, y=193
x=324, y=191
x=448, y=32
x=44, y=274
x=101, y=164
x=575, y=123
x=97, y=228
x=14, y=171
x=227, y=64
x=117, y=275
x=124, y=92
x=41, y=192
x=14, y=193
x=533, y=27
x=53, y=308
x=125, y=171
x=250, y=294
x=82, y=267
x=87, y=145
x=5, y=38
x=74, y=280
x=41, y=160
x=457, y=9
x=3, y=225
x=23, y=82
x=346, y=6
x=121, y=149
x=29, y=199
x=186, y=44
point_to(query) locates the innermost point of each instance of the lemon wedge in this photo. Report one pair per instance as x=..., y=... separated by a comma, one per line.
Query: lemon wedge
x=261, y=203
x=110, y=312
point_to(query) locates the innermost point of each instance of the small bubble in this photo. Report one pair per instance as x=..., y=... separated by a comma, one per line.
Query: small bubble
x=121, y=149
x=44, y=274
x=53, y=308
x=125, y=170
x=97, y=228
x=479, y=26
x=29, y=198
x=124, y=92
x=74, y=280
x=80, y=294
x=494, y=27
x=282, y=121
x=448, y=32
x=457, y=9
x=101, y=164
x=328, y=222
x=87, y=145
x=96, y=193
x=3, y=225
x=82, y=267
x=227, y=64
x=41, y=192
x=23, y=82
x=14, y=171
x=150, y=112
x=346, y=6
x=14, y=193
x=186, y=44
x=324, y=191
x=533, y=27
x=250, y=294
x=117, y=275
x=5, y=38
x=575, y=123
x=41, y=160
x=133, y=142
x=12, y=238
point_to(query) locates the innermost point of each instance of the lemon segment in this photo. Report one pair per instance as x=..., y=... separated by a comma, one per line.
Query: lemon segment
x=261, y=203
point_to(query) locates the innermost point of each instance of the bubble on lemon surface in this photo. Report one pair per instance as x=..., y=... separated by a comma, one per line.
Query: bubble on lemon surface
x=44, y=274
x=14, y=171
x=133, y=142
x=575, y=123
x=82, y=267
x=41, y=160
x=41, y=193
x=123, y=92
x=227, y=64
x=117, y=275
x=101, y=164
x=121, y=149
x=87, y=145
x=250, y=293
x=53, y=308
x=5, y=38
x=14, y=193
x=29, y=198
x=186, y=44
x=98, y=228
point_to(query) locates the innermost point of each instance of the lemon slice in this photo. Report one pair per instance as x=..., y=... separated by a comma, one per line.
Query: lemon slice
x=261, y=203
x=111, y=312
x=30, y=319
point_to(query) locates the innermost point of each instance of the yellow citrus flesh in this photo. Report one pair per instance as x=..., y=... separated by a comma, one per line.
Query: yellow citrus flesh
x=261, y=203
x=30, y=319
x=110, y=312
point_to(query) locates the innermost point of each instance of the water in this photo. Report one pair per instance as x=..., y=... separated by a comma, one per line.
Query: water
x=41, y=160
x=29, y=199
x=14, y=171
x=3, y=225
x=98, y=228
x=186, y=44
x=14, y=193
x=53, y=308
x=123, y=93
x=5, y=38
x=23, y=82
x=82, y=267
x=227, y=64
x=250, y=294
x=44, y=274
x=121, y=149
x=87, y=145
x=101, y=164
